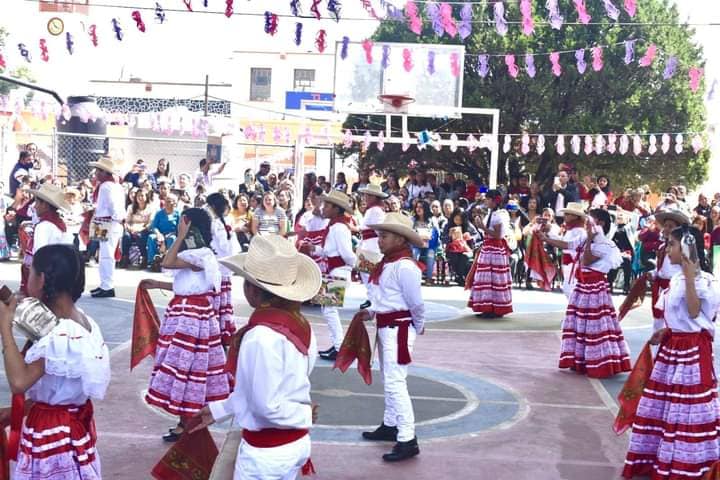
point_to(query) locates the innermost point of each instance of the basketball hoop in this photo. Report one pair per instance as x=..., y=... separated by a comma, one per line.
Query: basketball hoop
x=395, y=103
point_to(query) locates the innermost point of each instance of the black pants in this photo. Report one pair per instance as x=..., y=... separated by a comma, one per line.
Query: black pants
x=459, y=264
x=626, y=267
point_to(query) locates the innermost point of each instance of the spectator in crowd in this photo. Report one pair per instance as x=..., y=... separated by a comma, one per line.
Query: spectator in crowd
x=272, y=181
x=599, y=194
x=262, y=174
x=624, y=239
x=269, y=218
x=363, y=181
x=24, y=165
x=714, y=249
x=137, y=224
x=393, y=203
x=284, y=201
x=340, y=182
x=250, y=185
x=437, y=214
x=240, y=220
x=184, y=190
x=416, y=185
x=133, y=176
x=448, y=206
x=471, y=189
x=163, y=229
x=703, y=208
x=428, y=231
x=459, y=253
x=392, y=186
x=562, y=193
x=162, y=171
x=206, y=173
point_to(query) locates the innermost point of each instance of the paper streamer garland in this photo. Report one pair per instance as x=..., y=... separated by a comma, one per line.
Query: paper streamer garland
x=679, y=143
x=118, y=29
x=298, y=38
x=540, y=144
x=433, y=12
x=695, y=75
x=447, y=20
x=665, y=147
x=506, y=144
x=137, y=16
x=637, y=145
x=631, y=7
x=483, y=65
x=612, y=143
x=24, y=52
x=414, y=20
x=271, y=23
x=159, y=13
x=583, y=16
x=431, y=63
x=612, y=11
x=629, y=51
x=314, y=9
x=555, y=60
x=597, y=55
x=385, y=57
x=344, y=48
x=624, y=144
x=228, y=8
x=652, y=145
x=333, y=7
x=69, y=43
x=575, y=144
x=588, y=145
x=455, y=64
x=649, y=56
x=560, y=145
x=670, y=68
x=295, y=7
x=92, y=31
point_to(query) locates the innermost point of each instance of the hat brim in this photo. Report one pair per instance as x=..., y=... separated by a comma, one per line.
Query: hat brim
x=345, y=206
x=62, y=205
x=577, y=213
x=103, y=167
x=678, y=218
x=307, y=283
x=375, y=193
x=409, y=234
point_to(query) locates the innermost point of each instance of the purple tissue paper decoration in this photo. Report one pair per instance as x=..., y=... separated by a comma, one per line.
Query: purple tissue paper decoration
x=530, y=65
x=513, y=69
x=612, y=143
x=575, y=144
x=298, y=35
x=581, y=63
x=560, y=145
x=385, y=56
x=665, y=147
x=344, y=48
x=679, y=143
x=612, y=11
x=556, y=67
x=629, y=51
x=483, y=65
x=465, y=25
x=295, y=7
x=500, y=21
x=527, y=20
x=583, y=15
x=597, y=55
x=333, y=7
x=556, y=20
x=713, y=88
x=670, y=68
x=631, y=7
x=431, y=63
x=433, y=11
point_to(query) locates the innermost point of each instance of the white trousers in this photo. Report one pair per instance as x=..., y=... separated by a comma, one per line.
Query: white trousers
x=398, y=406
x=332, y=318
x=568, y=281
x=277, y=463
x=107, y=256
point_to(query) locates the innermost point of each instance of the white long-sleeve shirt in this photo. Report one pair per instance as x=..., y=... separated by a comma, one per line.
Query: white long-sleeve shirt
x=46, y=233
x=272, y=387
x=674, y=303
x=373, y=216
x=222, y=245
x=399, y=290
x=338, y=243
x=110, y=202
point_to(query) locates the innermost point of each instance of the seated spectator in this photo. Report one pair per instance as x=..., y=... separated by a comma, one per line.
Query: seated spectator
x=137, y=224
x=250, y=186
x=703, y=208
x=340, y=182
x=393, y=204
x=133, y=177
x=269, y=218
x=161, y=171
x=458, y=257
x=429, y=233
x=392, y=186
x=163, y=229
x=363, y=181
x=284, y=200
x=240, y=220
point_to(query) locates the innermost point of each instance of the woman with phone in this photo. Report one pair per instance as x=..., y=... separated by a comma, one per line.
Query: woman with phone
x=190, y=361
x=676, y=425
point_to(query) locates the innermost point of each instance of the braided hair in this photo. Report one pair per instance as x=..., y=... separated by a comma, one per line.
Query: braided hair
x=200, y=219
x=63, y=271
x=219, y=205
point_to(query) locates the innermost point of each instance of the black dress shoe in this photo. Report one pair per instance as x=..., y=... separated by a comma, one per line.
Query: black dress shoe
x=382, y=434
x=325, y=352
x=402, y=451
x=329, y=355
x=366, y=304
x=103, y=293
x=171, y=436
x=95, y=290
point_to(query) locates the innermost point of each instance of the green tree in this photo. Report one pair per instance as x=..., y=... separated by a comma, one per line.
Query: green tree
x=22, y=73
x=620, y=98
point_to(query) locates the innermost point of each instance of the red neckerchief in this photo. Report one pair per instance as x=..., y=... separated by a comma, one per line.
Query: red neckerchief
x=53, y=217
x=96, y=191
x=341, y=219
x=402, y=253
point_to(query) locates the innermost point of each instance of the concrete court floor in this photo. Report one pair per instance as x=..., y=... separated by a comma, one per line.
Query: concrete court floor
x=490, y=402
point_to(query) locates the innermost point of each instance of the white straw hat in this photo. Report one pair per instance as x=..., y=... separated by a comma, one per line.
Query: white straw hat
x=107, y=164
x=274, y=264
x=372, y=189
x=342, y=200
x=52, y=195
x=574, y=208
x=399, y=224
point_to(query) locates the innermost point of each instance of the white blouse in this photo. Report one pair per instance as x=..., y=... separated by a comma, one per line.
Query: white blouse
x=77, y=364
x=222, y=245
x=502, y=218
x=673, y=302
x=609, y=253
x=189, y=282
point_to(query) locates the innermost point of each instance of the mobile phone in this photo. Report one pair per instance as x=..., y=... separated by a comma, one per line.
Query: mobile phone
x=557, y=180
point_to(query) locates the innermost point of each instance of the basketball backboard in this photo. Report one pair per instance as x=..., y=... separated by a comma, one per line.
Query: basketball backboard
x=358, y=84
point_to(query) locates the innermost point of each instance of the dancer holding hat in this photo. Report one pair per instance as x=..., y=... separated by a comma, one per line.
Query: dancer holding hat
x=374, y=215
x=275, y=355
x=109, y=201
x=398, y=308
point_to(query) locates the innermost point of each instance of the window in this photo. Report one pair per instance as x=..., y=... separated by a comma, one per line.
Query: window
x=260, y=80
x=304, y=80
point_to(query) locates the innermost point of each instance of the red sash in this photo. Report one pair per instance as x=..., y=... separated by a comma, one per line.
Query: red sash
x=368, y=234
x=567, y=259
x=329, y=264
x=276, y=437
x=402, y=321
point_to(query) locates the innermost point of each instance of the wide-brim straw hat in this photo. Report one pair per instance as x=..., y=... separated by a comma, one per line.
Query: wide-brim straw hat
x=274, y=264
x=342, y=200
x=53, y=195
x=402, y=225
x=574, y=208
x=372, y=189
x=107, y=164
x=677, y=216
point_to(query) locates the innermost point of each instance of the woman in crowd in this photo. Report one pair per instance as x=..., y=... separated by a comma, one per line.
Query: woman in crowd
x=60, y=373
x=269, y=218
x=448, y=207
x=340, y=182
x=491, y=294
x=162, y=172
x=592, y=341
x=676, y=425
x=137, y=224
x=284, y=201
x=363, y=181
x=190, y=361
x=599, y=194
x=428, y=231
x=715, y=240
x=532, y=211
x=4, y=245
x=392, y=186
x=250, y=185
x=163, y=229
x=457, y=254
x=241, y=220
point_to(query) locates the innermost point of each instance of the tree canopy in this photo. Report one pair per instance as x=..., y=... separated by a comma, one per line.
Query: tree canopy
x=620, y=98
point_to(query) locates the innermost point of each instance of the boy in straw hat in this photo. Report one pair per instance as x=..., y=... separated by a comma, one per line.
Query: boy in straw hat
x=398, y=308
x=274, y=355
x=337, y=258
x=109, y=202
x=570, y=242
x=374, y=214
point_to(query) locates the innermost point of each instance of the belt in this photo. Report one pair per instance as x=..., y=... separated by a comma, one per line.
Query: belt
x=334, y=262
x=402, y=320
x=567, y=259
x=276, y=437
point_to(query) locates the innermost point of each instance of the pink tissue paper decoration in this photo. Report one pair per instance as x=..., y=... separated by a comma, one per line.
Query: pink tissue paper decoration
x=288, y=139
x=347, y=139
x=506, y=144
x=540, y=144
x=455, y=64
x=631, y=7
x=665, y=147
x=413, y=15
x=500, y=21
x=472, y=143
x=277, y=135
x=697, y=143
x=65, y=112
x=575, y=144
x=695, y=75
x=527, y=21
x=555, y=60
x=513, y=69
x=652, y=145
x=407, y=60
x=583, y=15
x=637, y=145
x=453, y=143
x=530, y=65
x=679, y=143
x=612, y=11
x=589, y=147
x=405, y=145
x=624, y=144
x=597, y=55
x=599, y=144
x=580, y=60
x=560, y=145
x=381, y=141
x=367, y=45
x=465, y=26
x=448, y=22
x=556, y=20
x=261, y=133
x=612, y=144
x=525, y=144
x=436, y=141
x=649, y=56
x=366, y=140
